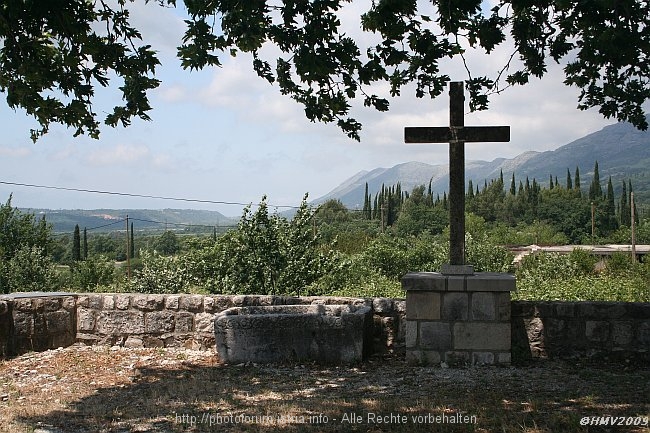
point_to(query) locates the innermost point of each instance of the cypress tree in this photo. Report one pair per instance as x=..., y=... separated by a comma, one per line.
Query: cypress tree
x=366, y=203
x=569, y=183
x=76, y=244
x=624, y=215
x=610, y=208
x=470, y=189
x=85, y=244
x=576, y=181
x=132, y=245
x=557, y=184
x=550, y=181
x=375, y=210
x=595, y=190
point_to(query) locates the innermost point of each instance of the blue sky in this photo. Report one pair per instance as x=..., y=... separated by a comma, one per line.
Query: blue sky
x=223, y=134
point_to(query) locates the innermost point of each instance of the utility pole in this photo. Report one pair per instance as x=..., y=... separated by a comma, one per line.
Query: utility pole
x=593, y=223
x=128, y=250
x=633, y=226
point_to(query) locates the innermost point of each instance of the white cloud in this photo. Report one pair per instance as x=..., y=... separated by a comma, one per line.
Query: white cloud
x=118, y=154
x=14, y=152
x=130, y=155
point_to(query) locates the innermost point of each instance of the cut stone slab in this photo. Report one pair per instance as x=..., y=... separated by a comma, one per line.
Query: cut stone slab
x=327, y=334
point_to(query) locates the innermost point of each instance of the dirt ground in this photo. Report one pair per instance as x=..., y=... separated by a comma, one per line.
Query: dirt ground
x=117, y=390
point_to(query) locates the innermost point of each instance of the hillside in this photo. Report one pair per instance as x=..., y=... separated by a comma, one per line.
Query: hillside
x=64, y=220
x=622, y=152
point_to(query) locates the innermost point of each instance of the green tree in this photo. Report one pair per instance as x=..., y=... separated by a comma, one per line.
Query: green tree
x=55, y=54
x=269, y=255
x=132, y=243
x=76, y=244
x=21, y=234
x=85, y=256
x=595, y=189
x=610, y=223
x=89, y=274
x=29, y=270
x=577, y=180
x=332, y=212
x=625, y=218
x=367, y=204
x=418, y=216
x=569, y=183
x=167, y=244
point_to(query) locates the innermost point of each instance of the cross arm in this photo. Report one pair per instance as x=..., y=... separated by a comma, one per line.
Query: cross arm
x=447, y=134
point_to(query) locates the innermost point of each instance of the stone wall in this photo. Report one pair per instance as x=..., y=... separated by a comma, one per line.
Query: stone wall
x=539, y=329
x=141, y=320
x=594, y=330
x=34, y=324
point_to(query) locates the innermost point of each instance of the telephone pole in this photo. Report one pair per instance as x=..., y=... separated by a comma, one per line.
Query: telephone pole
x=633, y=226
x=128, y=250
x=593, y=222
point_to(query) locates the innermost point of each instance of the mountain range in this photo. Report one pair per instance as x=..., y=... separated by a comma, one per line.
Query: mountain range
x=622, y=152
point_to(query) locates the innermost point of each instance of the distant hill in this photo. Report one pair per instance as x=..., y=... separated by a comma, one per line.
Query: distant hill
x=622, y=152
x=64, y=220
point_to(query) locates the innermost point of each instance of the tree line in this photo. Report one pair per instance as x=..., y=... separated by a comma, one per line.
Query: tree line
x=579, y=215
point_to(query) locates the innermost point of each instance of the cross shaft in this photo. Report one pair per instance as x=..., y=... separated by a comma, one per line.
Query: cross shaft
x=456, y=134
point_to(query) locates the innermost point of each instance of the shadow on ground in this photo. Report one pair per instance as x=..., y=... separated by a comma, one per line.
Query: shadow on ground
x=553, y=397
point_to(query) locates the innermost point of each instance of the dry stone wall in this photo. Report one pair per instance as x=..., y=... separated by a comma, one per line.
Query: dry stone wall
x=141, y=320
x=595, y=330
x=539, y=329
x=38, y=323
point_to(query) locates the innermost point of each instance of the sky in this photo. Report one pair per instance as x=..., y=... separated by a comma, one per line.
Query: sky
x=226, y=135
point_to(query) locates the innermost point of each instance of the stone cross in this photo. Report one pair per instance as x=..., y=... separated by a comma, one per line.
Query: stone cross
x=456, y=134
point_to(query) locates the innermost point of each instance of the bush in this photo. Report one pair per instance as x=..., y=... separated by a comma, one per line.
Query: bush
x=487, y=257
x=91, y=273
x=29, y=270
x=160, y=274
x=351, y=276
x=268, y=255
x=571, y=278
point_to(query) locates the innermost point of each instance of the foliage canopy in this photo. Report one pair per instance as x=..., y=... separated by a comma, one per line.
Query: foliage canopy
x=68, y=47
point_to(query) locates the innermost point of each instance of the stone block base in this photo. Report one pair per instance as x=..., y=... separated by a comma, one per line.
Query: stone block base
x=458, y=320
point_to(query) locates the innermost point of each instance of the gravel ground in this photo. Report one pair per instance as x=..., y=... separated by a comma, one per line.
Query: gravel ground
x=110, y=389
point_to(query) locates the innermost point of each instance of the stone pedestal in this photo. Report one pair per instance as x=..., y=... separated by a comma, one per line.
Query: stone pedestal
x=459, y=319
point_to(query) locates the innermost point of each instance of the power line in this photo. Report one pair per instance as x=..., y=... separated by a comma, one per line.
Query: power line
x=183, y=224
x=126, y=194
x=92, y=228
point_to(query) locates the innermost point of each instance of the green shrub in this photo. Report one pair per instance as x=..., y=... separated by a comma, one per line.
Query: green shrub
x=351, y=276
x=160, y=274
x=545, y=276
x=487, y=257
x=29, y=270
x=91, y=273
